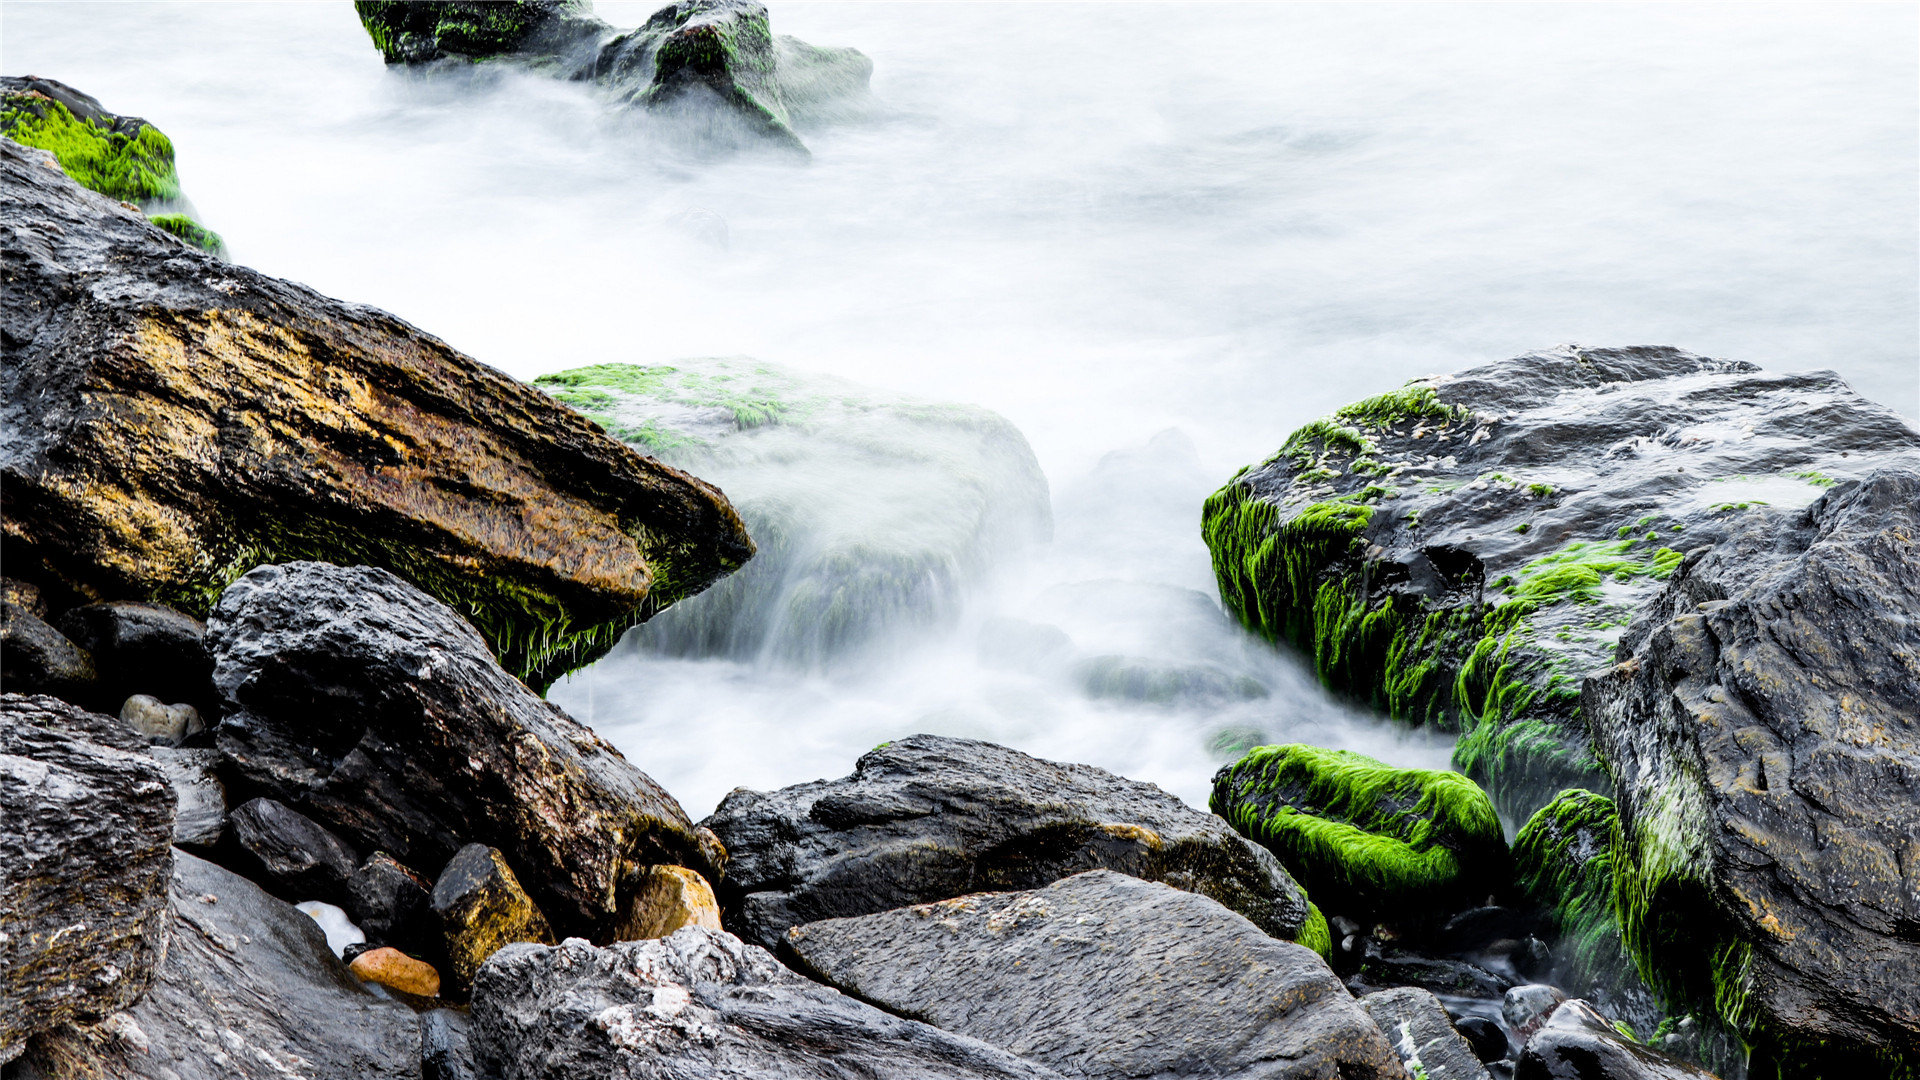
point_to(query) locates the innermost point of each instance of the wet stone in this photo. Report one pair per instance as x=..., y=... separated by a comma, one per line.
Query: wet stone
x=295, y=856
x=664, y=899
x=1417, y=1025
x=482, y=908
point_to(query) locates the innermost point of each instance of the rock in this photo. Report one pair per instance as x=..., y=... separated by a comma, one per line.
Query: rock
x=159, y=722
x=24, y=594
x=37, y=659
x=1563, y=861
x=696, y=1005
x=291, y=854
x=482, y=908
x=1104, y=975
x=1417, y=1025
x=174, y=420
x=873, y=513
x=1134, y=678
x=424, y=744
x=928, y=818
x=1484, y=929
x=396, y=970
x=393, y=905
x=1760, y=729
x=85, y=820
x=715, y=59
x=1363, y=836
x=145, y=649
x=1442, y=975
x=1460, y=552
x=445, y=1053
x=665, y=899
x=200, y=814
x=1526, y=1008
x=1488, y=1041
x=248, y=991
x=1577, y=1043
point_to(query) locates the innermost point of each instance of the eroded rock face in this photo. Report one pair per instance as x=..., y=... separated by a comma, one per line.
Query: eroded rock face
x=86, y=819
x=173, y=421
x=1763, y=729
x=698, y=1004
x=928, y=818
x=371, y=707
x=1461, y=552
x=1105, y=975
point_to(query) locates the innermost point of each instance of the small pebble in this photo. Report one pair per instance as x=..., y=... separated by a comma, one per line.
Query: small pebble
x=396, y=970
x=159, y=721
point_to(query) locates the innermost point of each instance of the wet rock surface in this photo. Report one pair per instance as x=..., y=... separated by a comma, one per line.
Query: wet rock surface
x=146, y=649
x=424, y=744
x=86, y=819
x=200, y=812
x=1105, y=975
x=1577, y=1043
x=929, y=818
x=393, y=905
x=35, y=658
x=295, y=856
x=1422, y=1034
x=664, y=899
x=1461, y=552
x=239, y=419
x=483, y=908
x=696, y=1005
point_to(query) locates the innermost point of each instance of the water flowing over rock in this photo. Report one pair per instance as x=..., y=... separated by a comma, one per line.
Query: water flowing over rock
x=1761, y=729
x=374, y=709
x=872, y=513
x=1462, y=551
x=696, y=1005
x=173, y=421
x=929, y=818
x=86, y=818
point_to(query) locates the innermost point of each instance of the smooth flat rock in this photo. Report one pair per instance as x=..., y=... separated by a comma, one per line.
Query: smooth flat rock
x=929, y=817
x=200, y=813
x=1104, y=975
x=1417, y=1025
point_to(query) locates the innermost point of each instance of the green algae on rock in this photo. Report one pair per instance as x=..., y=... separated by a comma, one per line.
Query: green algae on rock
x=1363, y=836
x=1563, y=861
x=1453, y=552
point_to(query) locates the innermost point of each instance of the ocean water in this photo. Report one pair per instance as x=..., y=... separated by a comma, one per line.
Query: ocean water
x=1155, y=237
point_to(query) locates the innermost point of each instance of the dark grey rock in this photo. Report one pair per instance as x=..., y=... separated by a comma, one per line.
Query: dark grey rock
x=377, y=711
x=1763, y=731
x=1104, y=975
x=1442, y=975
x=1489, y=1042
x=85, y=822
x=200, y=815
x=695, y=1005
x=1577, y=1043
x=1417, y=1025
x=928, y=818
x=292, y=855
x=37, y=659
x=392, y=905
x=445, y=1050
x=145, y=649
x=1526, y=1008
x=248, y=991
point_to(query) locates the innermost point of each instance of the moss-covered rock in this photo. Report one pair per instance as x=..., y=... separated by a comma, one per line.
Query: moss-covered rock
x=408, y=32
x=1563, y=861
x=1363, y=836
x=1463, y=551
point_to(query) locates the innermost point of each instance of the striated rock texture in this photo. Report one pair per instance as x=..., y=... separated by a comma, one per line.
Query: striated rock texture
x=86, y=818
x=1105, y=975
x=1417, y=1025
x=248, y=991
x=1463, y=551
x=873, y=513
x=371, y=707
x=693, y=1006
x=173, y=421
x=1763, y=731
x=928, y=818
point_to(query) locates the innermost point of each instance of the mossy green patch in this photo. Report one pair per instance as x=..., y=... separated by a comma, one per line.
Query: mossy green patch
x=191, y=231
x=1577, y=570
x=134, y=167
x=1315, y=934
x=1414, y=401
x=1563, y=861
x=753, y=396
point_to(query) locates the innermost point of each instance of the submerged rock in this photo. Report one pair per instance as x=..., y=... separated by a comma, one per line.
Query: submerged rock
x=86, y=818
x=929, y=818
x=1363, y=836
x=872, y=513
x=1104, y=975
x=1417, y=1025
x=174, y=421
x=371, y=707
x=696, y=1005
x=1462, y=551
x=1762, y=731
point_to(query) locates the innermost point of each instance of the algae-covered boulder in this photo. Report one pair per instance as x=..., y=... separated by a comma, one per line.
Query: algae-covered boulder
x=121, y=157
x=871, y=512
x=1363, y=836
x=1563, y=861
x=716, y=62
x=1763, y=730
x=1462, y=551
x=173, y=421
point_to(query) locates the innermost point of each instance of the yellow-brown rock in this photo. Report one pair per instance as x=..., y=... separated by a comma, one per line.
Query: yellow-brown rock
x=174, y=420
x=396, y=970
x=482, y=908
x=662, y=899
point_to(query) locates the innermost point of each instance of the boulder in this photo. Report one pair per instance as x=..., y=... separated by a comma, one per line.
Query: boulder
x=248, y=991
x=928, y=818
x=393, y=905
x=200, y=813
x=1761, y=731
x=664, y=899
x=147, y=649
x=696, y=1005
x=1462, y=551
x=1417, y=1025
x=1577, y=1043
x=174, y=421
x=372, y=708
x=873, y=513
x=37, y=659
x=1104, y=975
x=1364, y=837
x=483, y=908
x=1563, y=861
x=1527, y=1008
x=85, y=821
x=406, y=32
x=1489, y=1042
x=289, y=853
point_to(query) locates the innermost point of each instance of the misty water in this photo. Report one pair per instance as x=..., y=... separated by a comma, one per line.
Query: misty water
x=1154, y=238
